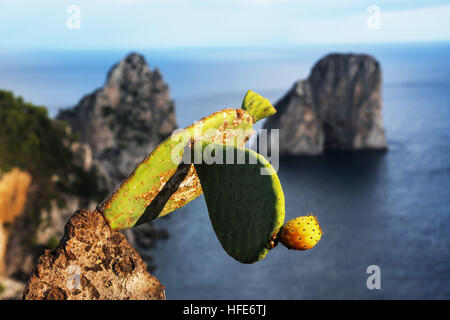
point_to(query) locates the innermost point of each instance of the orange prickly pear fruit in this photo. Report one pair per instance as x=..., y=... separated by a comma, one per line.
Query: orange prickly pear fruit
x=301, y=233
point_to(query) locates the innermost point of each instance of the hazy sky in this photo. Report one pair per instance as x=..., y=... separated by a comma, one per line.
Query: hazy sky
x=141, y=24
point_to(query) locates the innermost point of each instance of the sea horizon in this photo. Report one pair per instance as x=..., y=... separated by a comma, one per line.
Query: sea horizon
x=59, y=78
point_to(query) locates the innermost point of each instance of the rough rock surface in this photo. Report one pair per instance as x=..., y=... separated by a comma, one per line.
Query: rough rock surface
x=91, y=262
x=126, y=119
x=337, y=107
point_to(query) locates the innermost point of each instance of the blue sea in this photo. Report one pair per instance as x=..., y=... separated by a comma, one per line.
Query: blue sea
x=387, y=209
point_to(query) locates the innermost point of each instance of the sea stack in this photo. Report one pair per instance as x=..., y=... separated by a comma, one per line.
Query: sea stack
x=338, y=107
x=125, y=119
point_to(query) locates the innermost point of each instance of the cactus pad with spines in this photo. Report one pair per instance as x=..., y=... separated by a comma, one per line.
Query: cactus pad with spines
x=160, y=184
x=246, y=208
x=257, y=106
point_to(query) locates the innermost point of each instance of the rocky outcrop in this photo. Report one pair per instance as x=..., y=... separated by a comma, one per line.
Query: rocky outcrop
x=126, y=119
x=92, y=262
x=337, y=107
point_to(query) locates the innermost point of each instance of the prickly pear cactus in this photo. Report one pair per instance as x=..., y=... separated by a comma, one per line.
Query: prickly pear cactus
x=162, y=182
x=246, y=207
x=301, y=233
x=257, y=106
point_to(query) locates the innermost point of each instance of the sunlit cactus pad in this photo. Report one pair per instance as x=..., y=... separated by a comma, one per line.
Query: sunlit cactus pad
x=301, y=233
x=160, y=183
x=258, y=106
x=246, y=208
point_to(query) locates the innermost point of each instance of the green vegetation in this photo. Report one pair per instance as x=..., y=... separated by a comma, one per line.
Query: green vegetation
x=32, y=141
x=52, y=243
x=246, y=207
x=258, y=106
x=161, y=184
x=2, y=288
x=244, y=197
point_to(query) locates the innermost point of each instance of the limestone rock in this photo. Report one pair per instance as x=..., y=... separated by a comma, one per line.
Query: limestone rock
x=337, y=107
x=92, y=262
x=296, y=117
x=126, y=119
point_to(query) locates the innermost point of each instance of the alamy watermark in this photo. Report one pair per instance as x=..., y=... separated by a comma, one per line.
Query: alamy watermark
x=73, y=277
x=373, y=20
x=374, y=280
x=74, y=19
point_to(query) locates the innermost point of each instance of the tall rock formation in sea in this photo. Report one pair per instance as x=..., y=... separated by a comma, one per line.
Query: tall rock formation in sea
x=337, y=107
x=126, y=119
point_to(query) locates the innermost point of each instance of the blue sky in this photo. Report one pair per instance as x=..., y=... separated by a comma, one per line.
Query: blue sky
x=140, y=24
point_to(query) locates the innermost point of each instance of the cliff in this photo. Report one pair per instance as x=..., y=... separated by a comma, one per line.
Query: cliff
x=337, y=107
x=126, y=118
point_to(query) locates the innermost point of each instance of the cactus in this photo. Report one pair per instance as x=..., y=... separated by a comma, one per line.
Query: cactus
x=246, y=208
x=259, y=107
x=245, y=200
x=162, y=183
x=245, y=203
x=244, y=197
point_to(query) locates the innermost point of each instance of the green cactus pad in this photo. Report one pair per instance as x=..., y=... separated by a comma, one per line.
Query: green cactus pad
x=161, y=183
x=245, y=207
x=258, y=106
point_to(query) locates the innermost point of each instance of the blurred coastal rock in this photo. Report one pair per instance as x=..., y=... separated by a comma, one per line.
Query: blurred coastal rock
x=126, y=119
x=338, y=107
x=45, y=175
x=10, y=289
x=53, y=216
